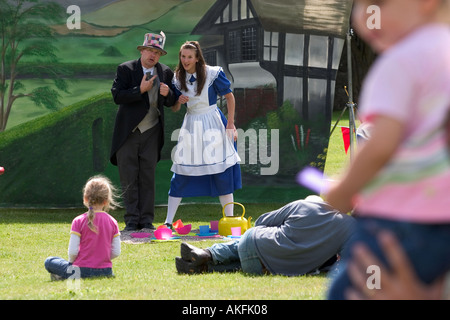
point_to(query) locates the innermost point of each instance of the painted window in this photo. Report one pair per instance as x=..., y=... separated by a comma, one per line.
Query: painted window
x=270, y=46
x=242, y=45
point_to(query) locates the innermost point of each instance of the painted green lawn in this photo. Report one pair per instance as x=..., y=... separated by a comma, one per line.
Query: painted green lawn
x=24, y=110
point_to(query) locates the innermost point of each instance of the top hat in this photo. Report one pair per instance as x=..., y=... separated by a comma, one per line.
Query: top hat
x=156, y=41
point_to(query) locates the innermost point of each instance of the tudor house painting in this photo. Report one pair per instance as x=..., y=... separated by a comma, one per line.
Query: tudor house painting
x=282, y=58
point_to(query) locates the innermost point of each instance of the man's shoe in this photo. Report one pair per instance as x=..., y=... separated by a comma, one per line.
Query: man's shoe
x=187, y=267
x=131, y=227
x=55, y=277
x=148, y=226
x=195, y=255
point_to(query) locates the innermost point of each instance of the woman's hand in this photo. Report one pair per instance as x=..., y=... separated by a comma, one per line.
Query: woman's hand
x=183, y=99
x=231, y=131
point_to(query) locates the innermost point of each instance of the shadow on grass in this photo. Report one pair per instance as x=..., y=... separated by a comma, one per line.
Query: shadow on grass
x=188, y=213
x=25, y=215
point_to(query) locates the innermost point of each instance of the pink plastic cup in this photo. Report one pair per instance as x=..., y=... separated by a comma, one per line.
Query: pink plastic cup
x=236, y=231
x=163, y=234
x=214, y=225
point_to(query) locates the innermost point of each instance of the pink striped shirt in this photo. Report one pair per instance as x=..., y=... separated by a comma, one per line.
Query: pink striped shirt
x=411, y=83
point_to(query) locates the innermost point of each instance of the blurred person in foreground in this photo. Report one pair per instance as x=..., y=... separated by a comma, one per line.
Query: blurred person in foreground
x=399, y=179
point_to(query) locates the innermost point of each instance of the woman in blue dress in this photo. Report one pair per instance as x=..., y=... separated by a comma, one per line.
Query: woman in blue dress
x=205, y=160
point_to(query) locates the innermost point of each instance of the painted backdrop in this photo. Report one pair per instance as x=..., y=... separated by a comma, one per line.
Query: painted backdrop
x=282, y=57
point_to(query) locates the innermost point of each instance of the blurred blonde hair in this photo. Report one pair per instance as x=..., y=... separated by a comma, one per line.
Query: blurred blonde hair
x=98, y=191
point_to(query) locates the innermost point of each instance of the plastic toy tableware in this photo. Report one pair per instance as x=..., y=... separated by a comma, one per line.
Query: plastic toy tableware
x=178, y=224
x=163, y=234
x=236, y=231
x=214, y=225
x=204, y=230
x=184, y=229
x=226, y=223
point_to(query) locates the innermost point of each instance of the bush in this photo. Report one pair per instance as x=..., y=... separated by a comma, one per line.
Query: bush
x=111, y=51
x=49, y=159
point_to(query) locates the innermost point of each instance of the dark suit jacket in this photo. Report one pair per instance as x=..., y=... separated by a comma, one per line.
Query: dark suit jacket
x=133, y=106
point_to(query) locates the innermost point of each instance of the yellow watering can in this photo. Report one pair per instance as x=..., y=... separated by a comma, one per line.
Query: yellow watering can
x=226, y=223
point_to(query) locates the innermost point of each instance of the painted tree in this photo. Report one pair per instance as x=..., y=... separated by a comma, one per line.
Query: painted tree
x=25, y=32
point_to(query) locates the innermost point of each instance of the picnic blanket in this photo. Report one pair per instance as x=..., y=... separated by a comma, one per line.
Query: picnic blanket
x=147, y=236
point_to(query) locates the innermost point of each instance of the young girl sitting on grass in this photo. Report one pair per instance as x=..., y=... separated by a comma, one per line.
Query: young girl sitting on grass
x=94, y=236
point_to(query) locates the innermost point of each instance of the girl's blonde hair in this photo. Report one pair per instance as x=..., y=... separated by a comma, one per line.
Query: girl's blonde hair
x=98, y=191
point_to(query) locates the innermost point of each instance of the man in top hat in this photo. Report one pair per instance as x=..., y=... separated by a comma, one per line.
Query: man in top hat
x=141, y=88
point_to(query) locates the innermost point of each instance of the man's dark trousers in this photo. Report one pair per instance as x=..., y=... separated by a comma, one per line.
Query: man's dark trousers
x=137, y=159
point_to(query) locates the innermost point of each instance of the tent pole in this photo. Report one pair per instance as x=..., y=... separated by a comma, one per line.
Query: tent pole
x=350, y=104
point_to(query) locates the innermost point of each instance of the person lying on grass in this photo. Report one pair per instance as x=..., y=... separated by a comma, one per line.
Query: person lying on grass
x=300, y=238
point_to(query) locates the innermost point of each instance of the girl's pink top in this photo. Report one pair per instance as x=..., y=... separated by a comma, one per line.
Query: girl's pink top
x=411, y=83
x=95, y=248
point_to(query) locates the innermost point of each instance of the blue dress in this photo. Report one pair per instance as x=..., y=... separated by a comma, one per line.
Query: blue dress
x=205, y=160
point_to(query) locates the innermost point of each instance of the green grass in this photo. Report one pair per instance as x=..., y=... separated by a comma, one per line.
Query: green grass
x=337, y=159
x=143, y=271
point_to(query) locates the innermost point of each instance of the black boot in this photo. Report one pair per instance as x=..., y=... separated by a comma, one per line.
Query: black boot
x=188, y=267
x=194, y=255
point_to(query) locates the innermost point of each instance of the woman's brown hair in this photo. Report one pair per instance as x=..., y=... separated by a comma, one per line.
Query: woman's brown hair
x=200, y=66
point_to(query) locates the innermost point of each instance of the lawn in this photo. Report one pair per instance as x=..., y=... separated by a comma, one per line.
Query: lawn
x=143, y=271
